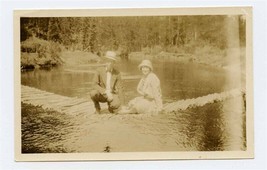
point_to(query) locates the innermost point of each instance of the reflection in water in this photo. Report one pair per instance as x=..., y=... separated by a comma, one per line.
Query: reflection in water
x=178, y=80
x=213, y=127
x=59, y=81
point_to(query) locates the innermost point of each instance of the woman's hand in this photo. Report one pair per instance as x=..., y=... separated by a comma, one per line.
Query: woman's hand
x=147, y=96
x=141, y=93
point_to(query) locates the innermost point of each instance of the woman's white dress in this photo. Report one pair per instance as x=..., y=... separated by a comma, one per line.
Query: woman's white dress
x=150, y=101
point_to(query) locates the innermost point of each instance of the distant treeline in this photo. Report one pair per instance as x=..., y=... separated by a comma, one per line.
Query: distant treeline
x=94, y=34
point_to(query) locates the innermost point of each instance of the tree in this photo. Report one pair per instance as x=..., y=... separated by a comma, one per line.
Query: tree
x=131, y=33
x=54, y=30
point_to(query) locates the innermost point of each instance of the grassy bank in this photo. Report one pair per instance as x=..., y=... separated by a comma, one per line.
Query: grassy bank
x=79, y=57
x=39, y=53
x=207, y=55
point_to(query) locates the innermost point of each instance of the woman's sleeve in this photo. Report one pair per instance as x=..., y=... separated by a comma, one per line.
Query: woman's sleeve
x=156, y=91
x=139, y=87
x=150, y=86
x=154, y=84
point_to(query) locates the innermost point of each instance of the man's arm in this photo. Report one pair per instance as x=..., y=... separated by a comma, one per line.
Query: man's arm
x=98, y=85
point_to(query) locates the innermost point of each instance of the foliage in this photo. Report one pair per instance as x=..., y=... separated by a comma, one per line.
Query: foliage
x=182, y=34
x=36, y=52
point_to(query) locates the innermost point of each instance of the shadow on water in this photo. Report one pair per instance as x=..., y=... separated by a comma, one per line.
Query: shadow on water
x=213, y=128
x=42, y=130
x=203, y=128
x=210, y=131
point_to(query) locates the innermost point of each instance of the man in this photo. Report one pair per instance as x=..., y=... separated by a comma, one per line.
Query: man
x=108, y=86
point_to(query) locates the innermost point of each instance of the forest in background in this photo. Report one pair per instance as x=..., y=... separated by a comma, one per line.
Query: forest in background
x=150, y=34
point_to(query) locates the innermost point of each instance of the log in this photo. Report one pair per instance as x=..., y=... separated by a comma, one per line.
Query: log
x=78, y=105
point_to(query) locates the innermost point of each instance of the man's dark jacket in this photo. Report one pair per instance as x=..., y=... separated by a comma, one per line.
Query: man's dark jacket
x=116, y=83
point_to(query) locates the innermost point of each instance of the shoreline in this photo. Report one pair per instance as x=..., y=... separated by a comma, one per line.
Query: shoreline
x=70, y=58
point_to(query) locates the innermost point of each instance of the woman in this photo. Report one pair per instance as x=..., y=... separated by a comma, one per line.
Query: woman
x=149, y=101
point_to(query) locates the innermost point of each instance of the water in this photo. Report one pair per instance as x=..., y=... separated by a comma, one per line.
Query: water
x=216, y=126
x=178, y=80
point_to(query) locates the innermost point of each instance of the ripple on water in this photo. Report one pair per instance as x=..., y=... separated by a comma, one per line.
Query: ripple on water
x=212, y=127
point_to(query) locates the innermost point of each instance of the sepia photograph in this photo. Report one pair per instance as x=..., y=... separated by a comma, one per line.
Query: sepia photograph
x=133, y=84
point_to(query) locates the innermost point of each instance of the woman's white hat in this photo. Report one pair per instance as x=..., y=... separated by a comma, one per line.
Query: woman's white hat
x=146, y=63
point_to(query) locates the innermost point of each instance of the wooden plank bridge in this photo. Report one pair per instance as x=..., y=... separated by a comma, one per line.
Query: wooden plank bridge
x=75, y=106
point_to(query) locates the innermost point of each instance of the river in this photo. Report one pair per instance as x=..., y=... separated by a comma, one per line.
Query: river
x=178, y=80
x=216, y=126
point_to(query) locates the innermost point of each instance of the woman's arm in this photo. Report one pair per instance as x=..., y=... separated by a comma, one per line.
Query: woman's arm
x=153, y=91
x=156, y=92
x=140, y=87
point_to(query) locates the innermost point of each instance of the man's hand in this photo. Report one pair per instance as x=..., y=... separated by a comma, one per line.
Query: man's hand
x=109, y=95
